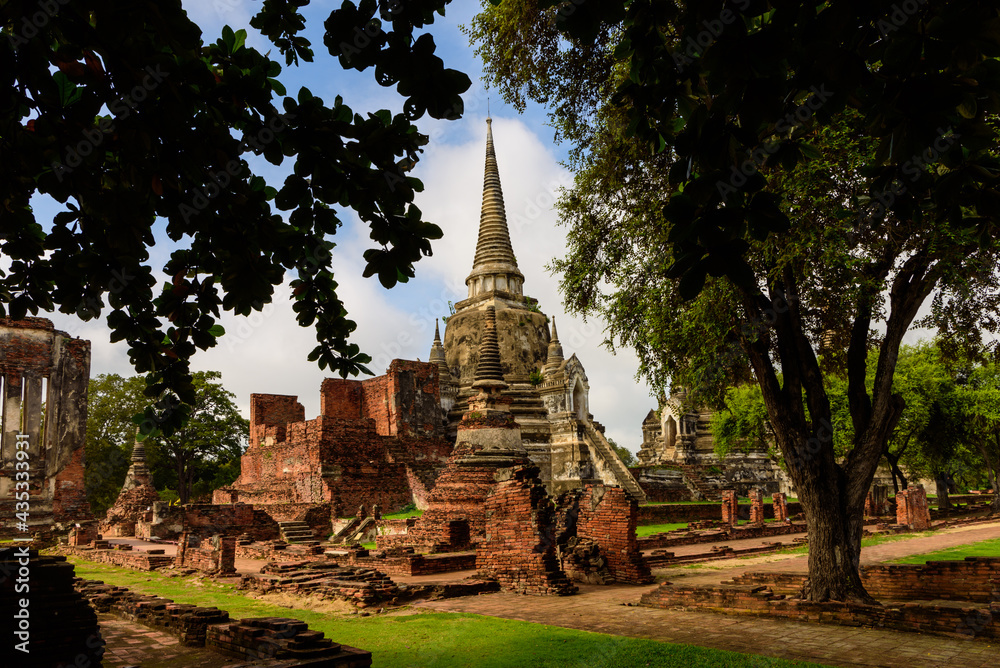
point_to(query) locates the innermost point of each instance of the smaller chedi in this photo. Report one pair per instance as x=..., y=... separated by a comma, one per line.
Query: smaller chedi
x=135, y=501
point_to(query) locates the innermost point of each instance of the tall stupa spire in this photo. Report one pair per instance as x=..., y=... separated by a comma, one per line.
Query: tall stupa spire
x=494, y=267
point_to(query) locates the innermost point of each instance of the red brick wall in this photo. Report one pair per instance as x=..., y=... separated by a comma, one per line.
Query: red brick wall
x=779, y=505
x=340, y=398
x=935, y=619
x=519, y=546
x=608, y=516
x=211, y=555
x=273, y=410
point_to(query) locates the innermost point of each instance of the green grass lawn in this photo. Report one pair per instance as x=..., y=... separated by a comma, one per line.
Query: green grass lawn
x=984, y=548
x=403, y=515
x=436, y=639
x=650, y=529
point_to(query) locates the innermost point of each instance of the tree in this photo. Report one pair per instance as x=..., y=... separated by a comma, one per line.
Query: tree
x=213, y=438
x=202, y=455
x=112, y=401
x=121, y=113
x=628, y=459
x=753, y=178
x=980, y=400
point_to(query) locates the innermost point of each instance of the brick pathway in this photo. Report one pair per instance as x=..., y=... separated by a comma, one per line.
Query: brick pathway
x=600, y=609
x=130, y=644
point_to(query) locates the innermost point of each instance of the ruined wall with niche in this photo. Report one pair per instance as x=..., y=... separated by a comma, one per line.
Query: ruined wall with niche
x=41, y=365
x=376, y=441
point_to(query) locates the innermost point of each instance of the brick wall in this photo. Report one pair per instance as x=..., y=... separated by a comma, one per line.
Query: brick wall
x=364, y=448
x=607, y=515
x=255, y=639
x=936, y=619
x=779, y=506
x=134, y=559
x=458, y=496
x=63, y=628
x=693, y=512
x=518, y=549
x=976, y=579
x=215, y=555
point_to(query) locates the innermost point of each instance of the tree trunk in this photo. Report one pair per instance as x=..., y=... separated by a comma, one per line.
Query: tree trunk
x=182, y=486
x=896, y=471
x=834, y=556
x=942, y=483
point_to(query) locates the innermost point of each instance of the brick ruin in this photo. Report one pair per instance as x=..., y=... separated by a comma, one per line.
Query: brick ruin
x=376, y=441
x=135, y=501
x=911, y=593
x=519, y=548
x=216, y=555
x=41, y=366
x=205, y=520
x=266, y=641
x=63, y=628
x=912, y=510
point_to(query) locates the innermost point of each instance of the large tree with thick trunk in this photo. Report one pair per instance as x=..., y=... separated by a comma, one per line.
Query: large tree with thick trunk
x=769, y=188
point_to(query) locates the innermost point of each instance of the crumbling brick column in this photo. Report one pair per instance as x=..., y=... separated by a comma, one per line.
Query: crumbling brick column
x=608, y=516
x=756, y=505
x=83, y=533
x=519, y=547
x=780, y=503
x=911, y=509
x=729, y=507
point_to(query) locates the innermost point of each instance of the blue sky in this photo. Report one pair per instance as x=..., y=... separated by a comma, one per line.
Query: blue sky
x=267, y=352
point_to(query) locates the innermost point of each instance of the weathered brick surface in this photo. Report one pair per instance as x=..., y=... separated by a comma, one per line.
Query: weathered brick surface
x=134, y=559
x=33, y=351
x=911, y=508
x=973, y=621
x=756, y=506
x=255, y=639
x=207, y=519
x=976, y=579
x=63, y=629
x=359, y=586
x=131, y=506
x=455, y=508
x=779, y=507
x=372, y=439
x=216, y=555
x=695, y=512
x=518, y=549
x=730, y=514
x=607, y=515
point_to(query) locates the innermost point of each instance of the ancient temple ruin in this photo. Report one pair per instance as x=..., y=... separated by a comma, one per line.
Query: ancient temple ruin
x=548, y=393
x=376, y=441
x=45, y=375
x=678, y=459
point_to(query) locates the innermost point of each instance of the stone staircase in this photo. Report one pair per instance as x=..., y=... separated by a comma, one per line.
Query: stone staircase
x=696, y=483
x=603, y=449
x=297, y=533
